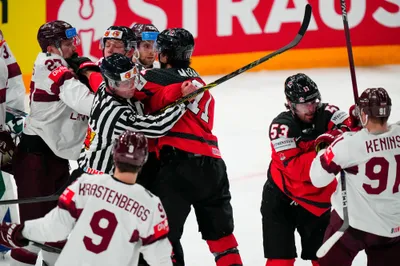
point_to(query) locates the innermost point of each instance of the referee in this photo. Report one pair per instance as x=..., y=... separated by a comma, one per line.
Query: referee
x=113, y=112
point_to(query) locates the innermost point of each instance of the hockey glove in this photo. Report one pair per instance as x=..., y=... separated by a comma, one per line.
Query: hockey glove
x=355, y=119
x=11, y=235
x=324, y=140
x=80, y=65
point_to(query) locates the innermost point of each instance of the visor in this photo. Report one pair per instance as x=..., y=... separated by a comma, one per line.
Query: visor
x=149, y=35
x=308, y=106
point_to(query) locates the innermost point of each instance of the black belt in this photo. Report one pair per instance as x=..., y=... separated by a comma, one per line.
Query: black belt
x=169, y=151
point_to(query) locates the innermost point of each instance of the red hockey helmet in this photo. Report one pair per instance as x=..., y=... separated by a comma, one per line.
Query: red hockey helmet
x=53, y=32
x=131, y=148
x=375, y=102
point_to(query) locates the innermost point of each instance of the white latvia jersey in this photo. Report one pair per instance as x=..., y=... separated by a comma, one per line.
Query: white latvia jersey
x=372, y=164
x=3, y=89
x=59, y=106
x=111, y=222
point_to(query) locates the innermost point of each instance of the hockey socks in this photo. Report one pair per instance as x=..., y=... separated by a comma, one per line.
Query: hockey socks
x=225, y=251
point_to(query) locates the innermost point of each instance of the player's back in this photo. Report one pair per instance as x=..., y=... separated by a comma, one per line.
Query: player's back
x=193, y=132
x=114, y=220
x=372, y=162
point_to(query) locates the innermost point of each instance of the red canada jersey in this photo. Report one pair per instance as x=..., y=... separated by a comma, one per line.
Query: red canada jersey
x=292, y=143
x=193, y=132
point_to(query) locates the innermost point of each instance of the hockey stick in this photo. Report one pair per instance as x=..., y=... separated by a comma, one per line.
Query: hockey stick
x=74, y=175
x=46, y=247
x=349, y=50
x=338, y=234
x=293, y=43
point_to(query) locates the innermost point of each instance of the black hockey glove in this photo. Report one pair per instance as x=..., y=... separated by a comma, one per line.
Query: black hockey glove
x=80, y=65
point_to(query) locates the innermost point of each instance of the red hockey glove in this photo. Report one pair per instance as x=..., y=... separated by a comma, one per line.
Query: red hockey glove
x=11, y=235
x=355, y=120
x=326, y=139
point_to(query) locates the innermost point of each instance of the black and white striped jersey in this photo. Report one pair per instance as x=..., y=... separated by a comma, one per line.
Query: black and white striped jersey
x=109, y=117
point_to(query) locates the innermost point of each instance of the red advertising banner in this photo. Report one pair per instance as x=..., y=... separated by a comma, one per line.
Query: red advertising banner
x=236, y=26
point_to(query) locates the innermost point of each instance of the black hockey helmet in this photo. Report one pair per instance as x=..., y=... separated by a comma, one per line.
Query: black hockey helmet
x=121, y=75
x=176, y=43
x=375, y=102
x=300, y=88
x=113, y=66
x=122, y=33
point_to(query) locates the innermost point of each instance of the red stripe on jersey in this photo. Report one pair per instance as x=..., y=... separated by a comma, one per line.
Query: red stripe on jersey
x=13, y=70
x=331, y=167
x=43, y=96
x=3, y=95
x=160, y=231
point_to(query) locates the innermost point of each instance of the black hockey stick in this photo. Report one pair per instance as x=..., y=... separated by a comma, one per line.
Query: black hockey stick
x=349, y=50
x=74, y=175
x=338, y=234
x=46, y=247
x=293, y=43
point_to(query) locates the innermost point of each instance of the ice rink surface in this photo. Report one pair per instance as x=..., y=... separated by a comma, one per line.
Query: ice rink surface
x=245, y=106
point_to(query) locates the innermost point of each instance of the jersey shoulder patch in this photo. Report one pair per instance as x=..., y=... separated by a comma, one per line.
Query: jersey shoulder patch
x=57, y=73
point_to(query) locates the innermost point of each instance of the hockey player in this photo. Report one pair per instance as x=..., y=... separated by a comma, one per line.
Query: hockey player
x=145, y=53
x=370, y=159
x=55, y=128
x=289, y=200
x=118, y=39
x=108, y=218
x=113, y=111
x=16, y=89
x=192, y=171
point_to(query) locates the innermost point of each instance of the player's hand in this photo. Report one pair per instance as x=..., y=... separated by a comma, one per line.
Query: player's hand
x=324, y=140
x=81, y=65
x=188, y=88
x=355, y=120
x=11, y=235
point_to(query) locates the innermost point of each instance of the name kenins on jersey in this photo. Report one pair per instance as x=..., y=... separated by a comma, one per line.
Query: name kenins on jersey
x=383, y=144
x=118, y=199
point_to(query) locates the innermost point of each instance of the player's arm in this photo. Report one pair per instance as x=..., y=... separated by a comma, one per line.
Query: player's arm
x=152, y=126
x=289, y=153
x=170, y=94
x=330, y=161
x=338, y=118
x=58, y=223
x=16, y=88
x=156, y=247
x=71, y=91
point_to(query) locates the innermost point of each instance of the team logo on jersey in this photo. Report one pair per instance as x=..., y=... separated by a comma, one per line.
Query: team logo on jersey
x=66, y=196
x=161, y=229
x=89, y=138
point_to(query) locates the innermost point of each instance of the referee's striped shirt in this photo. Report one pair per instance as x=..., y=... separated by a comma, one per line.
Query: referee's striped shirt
x=109, y=117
